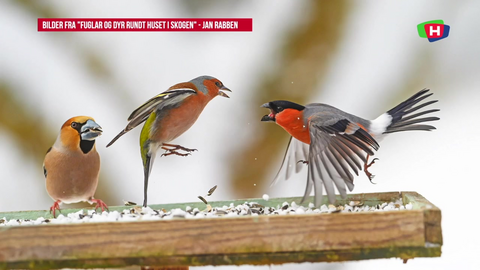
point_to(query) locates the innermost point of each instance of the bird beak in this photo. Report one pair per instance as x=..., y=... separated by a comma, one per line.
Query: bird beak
x=220, y=93
x=90, y=130
x=268, y=117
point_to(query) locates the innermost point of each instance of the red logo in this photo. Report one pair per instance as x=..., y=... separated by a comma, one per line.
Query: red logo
x=434, y=30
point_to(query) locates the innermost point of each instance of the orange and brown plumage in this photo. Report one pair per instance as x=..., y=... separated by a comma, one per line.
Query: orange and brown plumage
x=167, y=116
x=72, y=164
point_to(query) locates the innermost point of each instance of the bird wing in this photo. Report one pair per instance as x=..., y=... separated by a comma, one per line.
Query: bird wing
x=337, y=146
x=296, y=151
x=162, y=100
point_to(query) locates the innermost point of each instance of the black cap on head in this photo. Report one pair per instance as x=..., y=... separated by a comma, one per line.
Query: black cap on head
x=278, y=106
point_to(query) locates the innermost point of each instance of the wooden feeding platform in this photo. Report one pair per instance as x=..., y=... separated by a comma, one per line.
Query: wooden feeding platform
x=264, y=239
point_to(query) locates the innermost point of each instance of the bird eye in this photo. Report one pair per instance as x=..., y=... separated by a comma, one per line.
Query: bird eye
x=74, y=125
x=218, y=84
x=280, y=109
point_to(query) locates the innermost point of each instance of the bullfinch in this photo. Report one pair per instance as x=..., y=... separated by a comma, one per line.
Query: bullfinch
x=334, y=143
x=72, y=165
x=167, y=116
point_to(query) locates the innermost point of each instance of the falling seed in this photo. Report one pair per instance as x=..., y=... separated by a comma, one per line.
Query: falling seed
x=209, y=208
x=221, y=212
x=203, y=200
x=254, y=185
x=210, y=191
x=129, y=203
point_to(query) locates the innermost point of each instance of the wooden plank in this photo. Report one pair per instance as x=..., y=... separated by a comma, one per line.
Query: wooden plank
x=238, y=259
x=432, y=216
x=91, y=241
x=219, y=241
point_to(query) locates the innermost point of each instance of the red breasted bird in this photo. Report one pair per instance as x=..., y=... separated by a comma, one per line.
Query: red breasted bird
x=334, y=143
x=167, y=116
x=72, y=164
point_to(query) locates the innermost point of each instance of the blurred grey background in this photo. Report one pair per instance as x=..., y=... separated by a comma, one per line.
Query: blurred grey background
x=362, y=57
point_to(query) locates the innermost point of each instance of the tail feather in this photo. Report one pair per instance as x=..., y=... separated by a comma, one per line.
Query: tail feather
x=419, y=114
x=412, y=127
x=414, y=121
x=403, y=120
x=420, y=106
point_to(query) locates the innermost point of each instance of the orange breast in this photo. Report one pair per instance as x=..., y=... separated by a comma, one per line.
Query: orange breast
x=292, y=121
x=178, y=120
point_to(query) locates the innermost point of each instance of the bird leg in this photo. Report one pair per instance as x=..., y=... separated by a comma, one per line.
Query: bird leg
x=99, y=203
x=366, y=166
x=55, y=206
x=303, y=161
x=173, y=150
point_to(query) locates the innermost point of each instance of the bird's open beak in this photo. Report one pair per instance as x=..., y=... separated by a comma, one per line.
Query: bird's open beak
x=220, y=93
x=90, y=131
x=268, y=117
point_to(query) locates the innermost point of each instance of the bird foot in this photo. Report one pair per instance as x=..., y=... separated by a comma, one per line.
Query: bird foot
x=365, y=169
x=169, y=152
x=303, y=161
x=99, y=203
x=171, y=149
x=55, y=206
x=176, y=147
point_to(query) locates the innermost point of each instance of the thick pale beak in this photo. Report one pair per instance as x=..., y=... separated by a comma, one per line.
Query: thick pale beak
x=220, y=93
x=268, y=117
x=90, y=131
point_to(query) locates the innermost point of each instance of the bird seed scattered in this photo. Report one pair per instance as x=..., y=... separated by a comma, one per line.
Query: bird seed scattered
x=246, y=209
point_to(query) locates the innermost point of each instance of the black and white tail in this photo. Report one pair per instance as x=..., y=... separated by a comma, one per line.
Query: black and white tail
x=405, y=116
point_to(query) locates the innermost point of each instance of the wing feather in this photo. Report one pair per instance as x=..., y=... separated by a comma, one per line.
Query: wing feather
x=334, y=152
x=296, y=150
x=158, y=102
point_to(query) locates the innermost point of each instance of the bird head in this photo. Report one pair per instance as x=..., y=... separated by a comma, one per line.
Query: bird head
x=277, y=107
x=210, y=86
x=80, y=131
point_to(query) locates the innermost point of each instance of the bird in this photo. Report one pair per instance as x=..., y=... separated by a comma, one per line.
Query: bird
x=167, y=116
x=72, y=165
x=334, y=143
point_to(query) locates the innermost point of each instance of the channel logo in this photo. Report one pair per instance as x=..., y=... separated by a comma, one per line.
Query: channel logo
x=433, y=30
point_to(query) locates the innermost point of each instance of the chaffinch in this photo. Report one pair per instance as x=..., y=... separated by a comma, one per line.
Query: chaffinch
x=167, y=116
x=72, y=165
x=333, y=143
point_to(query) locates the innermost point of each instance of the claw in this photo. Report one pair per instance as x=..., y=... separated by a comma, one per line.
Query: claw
x=99, y=203
x=172, y=152
x=177, y=147
x=303, y=161
x=55, y=206
x=171, y=149
x=366, y=166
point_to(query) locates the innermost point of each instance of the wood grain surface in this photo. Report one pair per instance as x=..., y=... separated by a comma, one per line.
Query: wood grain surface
x=216, y=241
